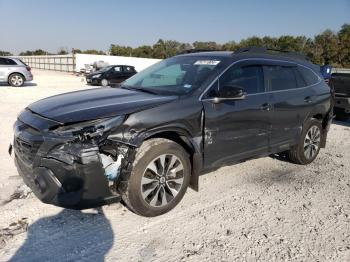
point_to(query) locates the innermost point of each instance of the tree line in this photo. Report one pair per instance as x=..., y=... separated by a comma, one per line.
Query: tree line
x=327, y=47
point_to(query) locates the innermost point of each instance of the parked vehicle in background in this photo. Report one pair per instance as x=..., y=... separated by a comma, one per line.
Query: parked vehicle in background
x=110, y=75
x=150, y=139
x=14, y=72
x=340, y=82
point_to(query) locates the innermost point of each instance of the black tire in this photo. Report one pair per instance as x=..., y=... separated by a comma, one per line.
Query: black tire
x=145, y=155
x=16, y=80
x=297, y=154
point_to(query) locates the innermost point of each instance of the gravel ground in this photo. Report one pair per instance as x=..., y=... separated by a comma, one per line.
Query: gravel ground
x=261, y=210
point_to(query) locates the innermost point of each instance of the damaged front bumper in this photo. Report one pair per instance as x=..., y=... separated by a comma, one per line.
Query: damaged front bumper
x=61, y=172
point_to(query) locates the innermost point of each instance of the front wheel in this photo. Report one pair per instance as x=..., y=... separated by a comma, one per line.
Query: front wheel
x=309, y=143
x=104, y=82
x=159, y=178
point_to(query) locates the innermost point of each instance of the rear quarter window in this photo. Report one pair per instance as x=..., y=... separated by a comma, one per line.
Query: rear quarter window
x=308, y=75
x=11, y=62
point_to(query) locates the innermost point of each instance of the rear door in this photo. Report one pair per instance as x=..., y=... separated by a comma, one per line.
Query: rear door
x=292, y=100
x=128, y=71
x=237, y=129
x=116, y=74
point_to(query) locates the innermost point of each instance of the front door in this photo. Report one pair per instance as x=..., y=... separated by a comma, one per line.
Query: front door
x=237, y=129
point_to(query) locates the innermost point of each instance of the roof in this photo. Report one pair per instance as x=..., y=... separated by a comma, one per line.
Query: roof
x=249, y=53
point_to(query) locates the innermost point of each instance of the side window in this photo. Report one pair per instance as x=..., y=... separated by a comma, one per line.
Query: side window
x=117, y=69
x=280, y=78
x=3, y=61
x=300, y=80
x=251, y=78
x=309, y=76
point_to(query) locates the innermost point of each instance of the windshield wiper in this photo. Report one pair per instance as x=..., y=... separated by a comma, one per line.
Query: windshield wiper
x=145, y=90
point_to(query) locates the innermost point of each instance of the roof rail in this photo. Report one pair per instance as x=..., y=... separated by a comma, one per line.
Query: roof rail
x=190, y=51
x=264, y=50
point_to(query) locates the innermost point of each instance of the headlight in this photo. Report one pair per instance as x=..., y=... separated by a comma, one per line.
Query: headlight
x=90, y=128
x=96, y=76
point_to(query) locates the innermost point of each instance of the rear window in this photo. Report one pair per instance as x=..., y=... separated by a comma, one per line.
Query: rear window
x=280, y=78
x=341, y=75
x=309, y=76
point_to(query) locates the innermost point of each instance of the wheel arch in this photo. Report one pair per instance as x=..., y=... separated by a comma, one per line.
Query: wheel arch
x=185, y=140
x=12, y=73
x=325, y=119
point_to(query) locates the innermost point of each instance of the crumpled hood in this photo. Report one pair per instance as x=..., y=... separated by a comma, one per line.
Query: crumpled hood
x=95, y=103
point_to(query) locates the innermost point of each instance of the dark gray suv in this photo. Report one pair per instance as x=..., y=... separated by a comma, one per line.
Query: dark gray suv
x=147, y=141
x=14, y=72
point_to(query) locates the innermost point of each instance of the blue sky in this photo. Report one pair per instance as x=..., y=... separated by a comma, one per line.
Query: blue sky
x=32, y=24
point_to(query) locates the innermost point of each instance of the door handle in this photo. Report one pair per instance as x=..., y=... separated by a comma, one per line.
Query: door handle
x=308, y=99
x=266, y=107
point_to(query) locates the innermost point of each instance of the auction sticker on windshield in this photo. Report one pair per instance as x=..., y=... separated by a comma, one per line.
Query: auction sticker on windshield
x=207, y=62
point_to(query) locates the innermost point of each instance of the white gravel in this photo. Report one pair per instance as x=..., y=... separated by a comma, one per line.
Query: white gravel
x=261, y=210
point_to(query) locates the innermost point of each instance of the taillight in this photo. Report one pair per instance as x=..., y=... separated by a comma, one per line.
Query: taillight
x=28, y=68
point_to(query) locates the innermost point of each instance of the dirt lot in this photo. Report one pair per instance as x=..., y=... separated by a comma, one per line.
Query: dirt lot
x=261, y=210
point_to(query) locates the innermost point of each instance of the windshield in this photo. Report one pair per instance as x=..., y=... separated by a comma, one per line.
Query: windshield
x=175, y=76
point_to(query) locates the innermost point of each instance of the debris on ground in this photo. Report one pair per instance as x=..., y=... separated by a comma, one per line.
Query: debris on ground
x=12, y=230
x=21, y=192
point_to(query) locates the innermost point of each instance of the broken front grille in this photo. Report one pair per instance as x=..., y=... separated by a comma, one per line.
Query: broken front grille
x=26, y=150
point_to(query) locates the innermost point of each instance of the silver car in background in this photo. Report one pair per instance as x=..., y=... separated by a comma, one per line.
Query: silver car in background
x=14, y=72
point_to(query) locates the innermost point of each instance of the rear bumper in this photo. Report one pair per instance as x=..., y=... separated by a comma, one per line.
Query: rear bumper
x=28, y=76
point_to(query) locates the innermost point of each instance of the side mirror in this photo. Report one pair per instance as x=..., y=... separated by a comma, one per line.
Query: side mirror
x=230, y=92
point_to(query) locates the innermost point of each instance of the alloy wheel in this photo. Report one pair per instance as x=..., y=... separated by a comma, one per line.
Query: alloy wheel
x=162, y=180
x=16, y=80
x=312, y=142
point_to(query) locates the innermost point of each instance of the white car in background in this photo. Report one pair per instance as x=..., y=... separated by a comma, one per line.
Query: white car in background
x=14, y=72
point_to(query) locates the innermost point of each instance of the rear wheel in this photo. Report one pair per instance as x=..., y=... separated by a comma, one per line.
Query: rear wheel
x=16, y=80
x=309, y=143
x=159, y=178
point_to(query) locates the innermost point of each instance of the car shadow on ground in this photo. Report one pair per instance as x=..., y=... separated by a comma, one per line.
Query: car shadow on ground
x=68, y=236
x=25, y=85
x=280, y=156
